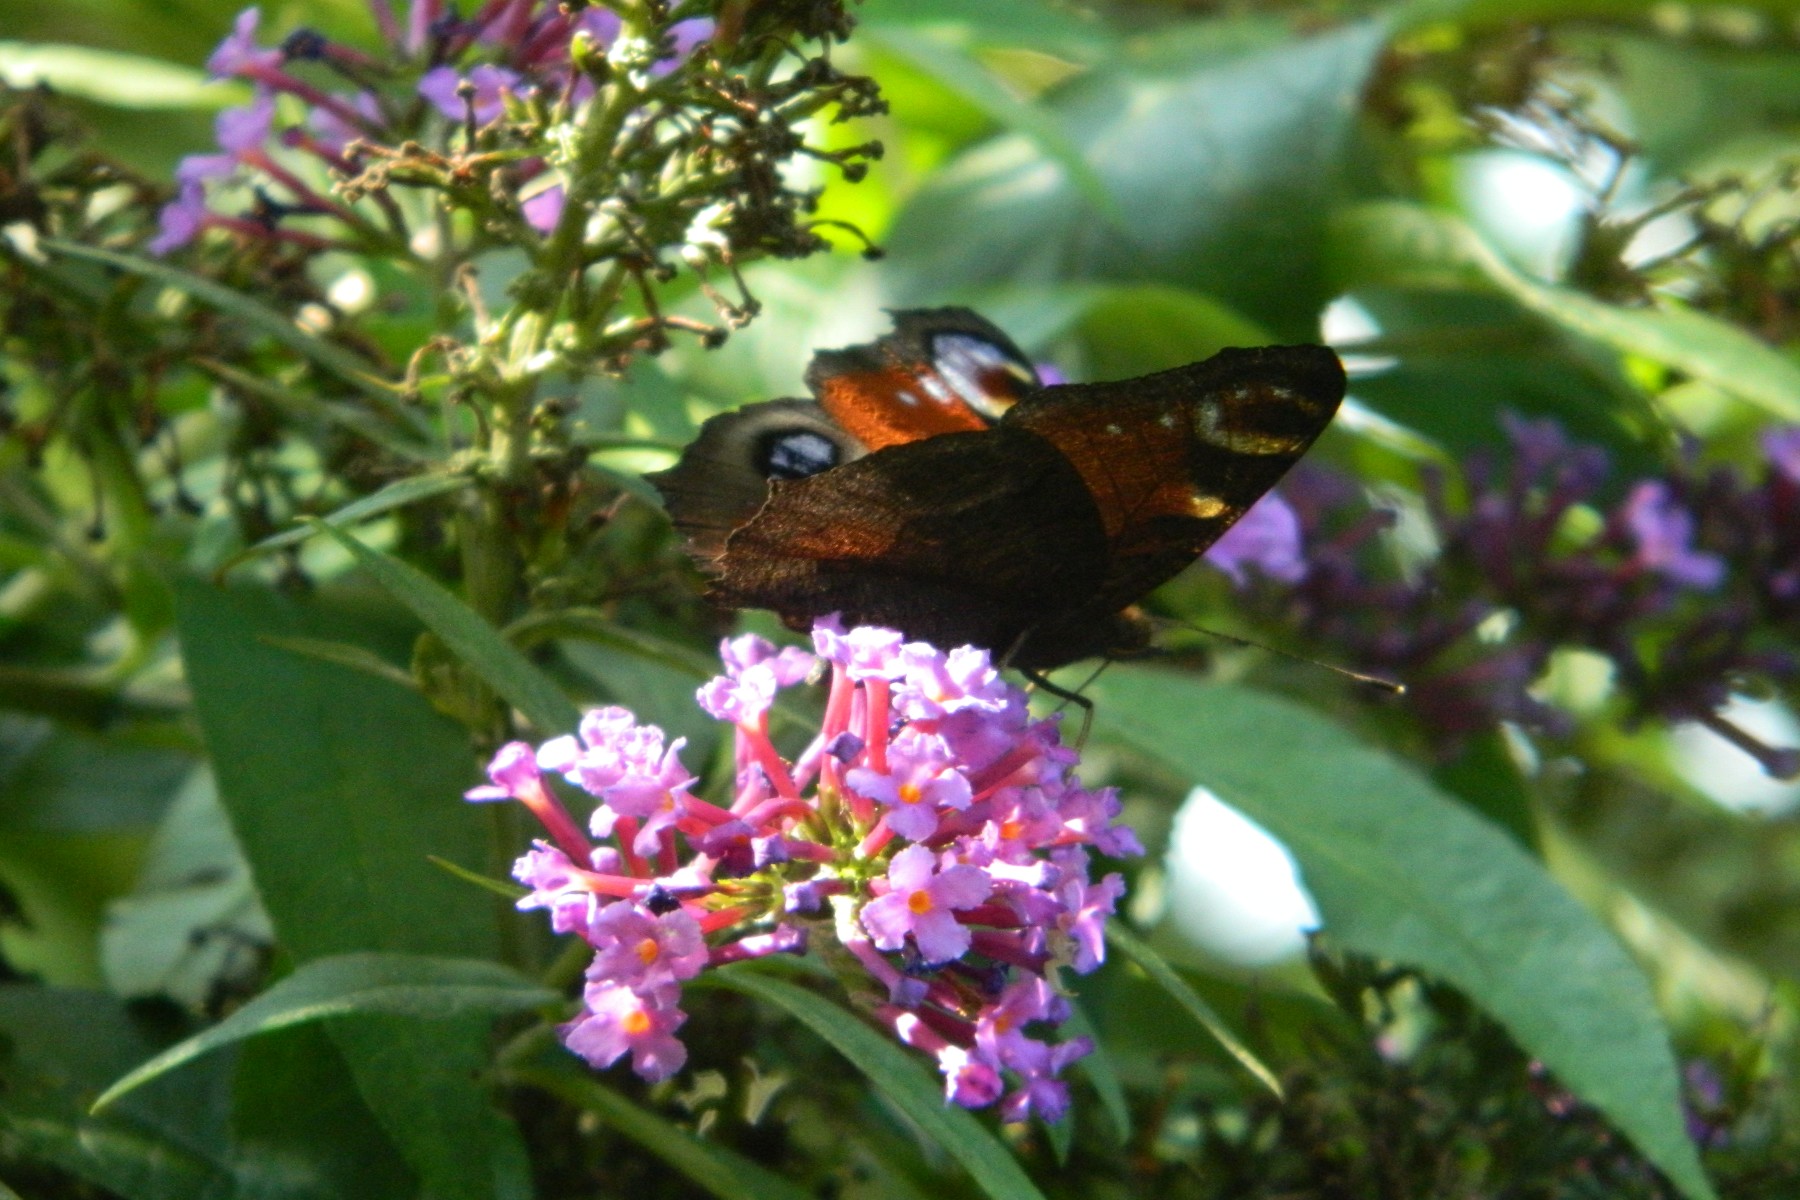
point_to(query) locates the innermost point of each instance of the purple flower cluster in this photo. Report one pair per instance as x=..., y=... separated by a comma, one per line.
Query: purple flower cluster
x=1683, y=585
x=469, y=72
x=932, y=829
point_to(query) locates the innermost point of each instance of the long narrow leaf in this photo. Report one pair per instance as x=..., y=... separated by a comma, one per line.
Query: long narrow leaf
x=1402, y=872
x=404, y=984
x=344, y=654
x=110, y=77
x=398, y=494
x=898, y=1075
x=722, y=1172
x=476, y=642
x=240, y=307
x=1395, y=243
x=1158, y=968
x=1100, y=1071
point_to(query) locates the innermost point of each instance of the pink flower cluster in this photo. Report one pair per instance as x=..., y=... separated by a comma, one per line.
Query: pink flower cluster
x=466, y=70
x=932, y=828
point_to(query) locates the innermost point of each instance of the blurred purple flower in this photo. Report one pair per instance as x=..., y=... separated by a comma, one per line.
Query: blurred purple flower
x=1783, y=449
x=1266, y=538
x=1664, y=532
x=491, y=85
x=238, y=54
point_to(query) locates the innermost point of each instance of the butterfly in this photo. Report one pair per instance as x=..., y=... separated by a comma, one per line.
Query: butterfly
x=935, y=485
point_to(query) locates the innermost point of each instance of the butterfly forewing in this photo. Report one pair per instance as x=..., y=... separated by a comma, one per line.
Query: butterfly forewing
x=1173, y=459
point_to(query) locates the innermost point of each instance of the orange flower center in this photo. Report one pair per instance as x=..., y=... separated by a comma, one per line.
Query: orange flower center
x=1012, y=829
x=636, y=1023
x=910, y=793
x=648, y=951
x=919, y=901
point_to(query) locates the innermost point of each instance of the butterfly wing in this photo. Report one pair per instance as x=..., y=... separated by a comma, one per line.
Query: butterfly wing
x=723, y=476
x=942, y=370
x=962, y=538
x=1028, y=537
x=1173, y=459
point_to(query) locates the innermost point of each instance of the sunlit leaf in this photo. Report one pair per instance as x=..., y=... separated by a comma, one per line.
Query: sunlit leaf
x=110, y=77
x=1402, y=872
x=1222, y=160
x=1400, y=244
x=970, y=79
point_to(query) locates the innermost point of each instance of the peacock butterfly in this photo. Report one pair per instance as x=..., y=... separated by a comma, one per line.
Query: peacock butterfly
x=935, y=485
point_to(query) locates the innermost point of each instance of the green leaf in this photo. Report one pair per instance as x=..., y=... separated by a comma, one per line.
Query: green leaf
x=1401, y=244
x=406, y=985
x=1158, y=968
x=193, y=910
x=968, y=78
x=57, y=779
x=720, y=1171
x=407, y=445
x=1102, y=1073
x=1401, y=872
x=398, y=494
x=1223, y=161
x=237, y=1124
x=340, y=785
x=1134, y=329
x=591, y=624
x=294, y=1089
x=1724, y=93
x=995, y=23
x=125, y=80
x=247, y=309
x=345, y=654
x=1493, y=357
x=898, y=1074
x=473, y=640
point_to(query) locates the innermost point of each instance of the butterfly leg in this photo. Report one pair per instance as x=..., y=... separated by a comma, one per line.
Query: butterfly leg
x=1064, y=694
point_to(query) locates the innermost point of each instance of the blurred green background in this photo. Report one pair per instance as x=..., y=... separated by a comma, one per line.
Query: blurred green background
x=1583, y=211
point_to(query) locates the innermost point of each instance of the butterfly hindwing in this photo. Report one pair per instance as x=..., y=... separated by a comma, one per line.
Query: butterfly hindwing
x=723, y=476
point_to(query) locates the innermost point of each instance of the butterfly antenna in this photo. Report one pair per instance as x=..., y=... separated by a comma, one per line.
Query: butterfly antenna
x=1392, y=687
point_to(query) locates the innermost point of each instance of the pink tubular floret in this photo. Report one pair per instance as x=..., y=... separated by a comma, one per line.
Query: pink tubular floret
x=932, y=828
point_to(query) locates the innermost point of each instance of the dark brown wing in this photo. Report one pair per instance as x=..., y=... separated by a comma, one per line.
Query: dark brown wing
x=723, y=476
x=962, y=538
x=1172, y=459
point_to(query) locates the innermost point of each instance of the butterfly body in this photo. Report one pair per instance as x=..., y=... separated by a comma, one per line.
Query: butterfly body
x=1029, y=526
